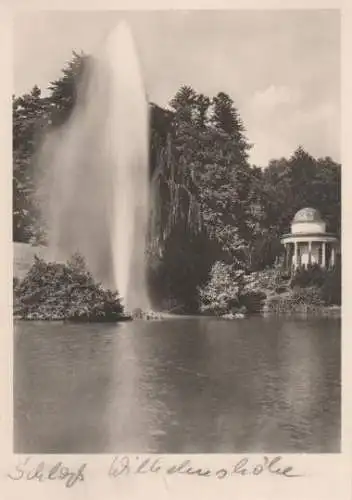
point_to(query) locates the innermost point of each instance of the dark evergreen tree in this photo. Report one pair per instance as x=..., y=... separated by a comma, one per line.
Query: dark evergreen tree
x=184, y=104
x=225, y=117
x=202, y=108
x=30, y=117
x=65, y=91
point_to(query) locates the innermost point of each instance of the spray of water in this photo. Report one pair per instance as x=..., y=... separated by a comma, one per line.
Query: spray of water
x=98, y=181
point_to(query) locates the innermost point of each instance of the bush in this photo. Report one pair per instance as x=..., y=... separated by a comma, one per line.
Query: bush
x=328, y=281
x=56, y=291
x=269, y=279
x=309, y=296
x=221, y=294
x=300, y=300
x=331, y=289
x=229, y=290
x=253, y=301
x=312, y=275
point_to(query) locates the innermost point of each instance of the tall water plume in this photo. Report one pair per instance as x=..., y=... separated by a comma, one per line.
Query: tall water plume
x=98, y=173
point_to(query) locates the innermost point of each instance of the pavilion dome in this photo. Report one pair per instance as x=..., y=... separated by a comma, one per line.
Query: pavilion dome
x=307, y=215
x=308, y=220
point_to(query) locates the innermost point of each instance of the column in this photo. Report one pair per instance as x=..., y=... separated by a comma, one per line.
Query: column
x=323, y=255
x=296, y=254
x=289, y=255
x=309, y=253
x=333, y=255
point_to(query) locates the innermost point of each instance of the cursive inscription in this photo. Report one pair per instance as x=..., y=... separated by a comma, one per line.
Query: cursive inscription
x=270, y=465
x=41, y=472
x=124, y=466
x=186, y=468
x=29, y=470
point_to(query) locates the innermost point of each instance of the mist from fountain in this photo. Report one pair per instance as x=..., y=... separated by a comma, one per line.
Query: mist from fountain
x=97, y=172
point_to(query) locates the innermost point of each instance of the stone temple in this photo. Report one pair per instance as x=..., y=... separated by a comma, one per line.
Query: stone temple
x=308, y=242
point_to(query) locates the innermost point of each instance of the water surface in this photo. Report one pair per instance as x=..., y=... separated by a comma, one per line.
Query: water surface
x=178, y=386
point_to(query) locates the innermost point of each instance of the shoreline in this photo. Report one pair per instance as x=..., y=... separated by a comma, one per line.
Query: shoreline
x=323, y=312
x=275, y=304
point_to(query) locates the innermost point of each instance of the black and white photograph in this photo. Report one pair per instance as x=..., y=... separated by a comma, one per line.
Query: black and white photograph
x=176, y=227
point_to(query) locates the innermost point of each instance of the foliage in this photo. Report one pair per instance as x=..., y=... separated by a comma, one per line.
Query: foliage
x=269, y=280
x=264, y=249
x=65, y=92
x=331, y=288
x=229, y=290
x=252, y=300
x=304, y=300
x=308, y=296
x=311, y=290
x=30, y=117
x=312, y=275
x=210, y=204
x=201, y=187
x=221, y=294
x=287, y=185
x=326, y=281
x=33, y=115
x=204, y=169
x=53, y=291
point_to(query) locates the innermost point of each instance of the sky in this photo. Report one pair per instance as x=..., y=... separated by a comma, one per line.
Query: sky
x=281, y=68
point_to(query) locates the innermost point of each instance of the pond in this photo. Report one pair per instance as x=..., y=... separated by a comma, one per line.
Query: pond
x=180, y=385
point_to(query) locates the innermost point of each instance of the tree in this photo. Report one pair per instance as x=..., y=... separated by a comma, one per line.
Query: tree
x=327, y=192
x=30, y=117
x=202, y=108
x=203, y=186
x=64, y=92
x=160, y=127
x=226, y=118
x=33, y=116
x=212, y=163
x=184, y=103
x=289, y=184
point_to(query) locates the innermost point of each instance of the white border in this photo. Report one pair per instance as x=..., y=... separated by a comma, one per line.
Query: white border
x=326, y=476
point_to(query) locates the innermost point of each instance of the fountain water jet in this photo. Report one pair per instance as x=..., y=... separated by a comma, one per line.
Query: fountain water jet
x=98, y=172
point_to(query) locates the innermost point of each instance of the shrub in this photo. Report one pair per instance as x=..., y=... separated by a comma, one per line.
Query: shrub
x=309, y=296
x=328, y=281
x=269, y=279
x=331, y=289
x=221, y=294
x=312, y=275
x=53, y=291
x=253, y=301
x=300, y=300
x=230, y=290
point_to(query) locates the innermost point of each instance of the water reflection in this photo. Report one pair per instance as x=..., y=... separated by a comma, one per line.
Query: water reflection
x=58, y=385
x=178, y=386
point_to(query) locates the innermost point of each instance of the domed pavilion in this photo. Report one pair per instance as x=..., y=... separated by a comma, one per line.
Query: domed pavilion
x=308, y=242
